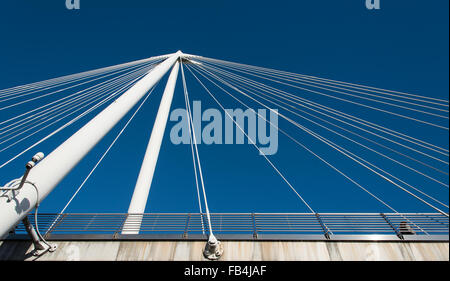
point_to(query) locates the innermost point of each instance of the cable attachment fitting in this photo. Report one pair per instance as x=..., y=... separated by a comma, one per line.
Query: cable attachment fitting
x=36, y=158
x=13, y=187
x=40, y=246
x=213, y=248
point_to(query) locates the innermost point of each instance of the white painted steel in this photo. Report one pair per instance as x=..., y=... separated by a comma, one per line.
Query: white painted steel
x=144, y=181
x=52, y=169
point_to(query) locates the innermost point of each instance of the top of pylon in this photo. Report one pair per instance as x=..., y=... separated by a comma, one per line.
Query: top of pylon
x=180, y=54
x=187, y=56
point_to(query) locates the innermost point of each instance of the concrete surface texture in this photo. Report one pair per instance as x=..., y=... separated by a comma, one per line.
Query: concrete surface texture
x=233, y=250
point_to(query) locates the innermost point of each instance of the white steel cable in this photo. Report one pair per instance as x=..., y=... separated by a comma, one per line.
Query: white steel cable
x=33, y=125
x=208, y=216
x=326, y=141
x=383, y=91
x=254, y=144
x=61, y=101
x=52, y=93
x=227, y=73
x=98, y=75
x=94, y=91
x=75, y=76
x=248, y=84
x=100, y=160
x=434, y=199
x=343, y=115
x=89, y=101
x=73, y=120
x=192, y=149
x=373, y=150
x=46, y=126
x=95, y=99
x=310, y=151
x=343, y=151
x=106, y=152
x=306, y=82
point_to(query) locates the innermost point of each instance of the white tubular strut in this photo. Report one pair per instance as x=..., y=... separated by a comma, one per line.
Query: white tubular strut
x=52, y=169
x=140, y=195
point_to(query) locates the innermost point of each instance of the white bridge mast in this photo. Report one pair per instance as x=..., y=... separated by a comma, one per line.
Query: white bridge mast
x=44, y=177
x=144, y=181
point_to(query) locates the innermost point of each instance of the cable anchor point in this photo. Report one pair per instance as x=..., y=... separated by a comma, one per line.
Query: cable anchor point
x=40, y=245
x=213, y=248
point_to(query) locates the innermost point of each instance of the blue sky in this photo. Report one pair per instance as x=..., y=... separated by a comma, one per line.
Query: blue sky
x=404, y=46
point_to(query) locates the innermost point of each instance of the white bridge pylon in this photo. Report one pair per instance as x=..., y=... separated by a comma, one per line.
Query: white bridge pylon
x=46, y=175
x=144, y=181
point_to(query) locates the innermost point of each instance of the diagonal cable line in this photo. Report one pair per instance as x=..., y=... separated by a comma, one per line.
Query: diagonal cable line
x=81, y=106
x=312, y=152
x=314, y=83
x=248, y=84
x=295, y=123
x=63, y=100
x=208, y=216
x=331, y=144
x=295, y=97
x=52, y=93
x=95, y=91
x=101, y=158
x=116, y=93
x=373, y=150
x=379, y=90
x=78, y=81
x=54, y=81
x=333, y=111
x=254, y=144
x=192, y=147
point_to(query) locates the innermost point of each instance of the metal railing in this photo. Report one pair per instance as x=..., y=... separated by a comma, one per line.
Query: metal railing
x=246, y=226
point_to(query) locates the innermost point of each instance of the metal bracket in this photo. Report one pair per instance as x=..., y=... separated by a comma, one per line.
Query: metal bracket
x=40, y=247
x=255, y=231
x=186, y=228
x=213, y=249
x=326, y=232
x=398, y=233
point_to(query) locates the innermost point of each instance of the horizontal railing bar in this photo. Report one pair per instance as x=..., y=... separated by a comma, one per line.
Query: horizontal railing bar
x=423, y=224
x=248, y=214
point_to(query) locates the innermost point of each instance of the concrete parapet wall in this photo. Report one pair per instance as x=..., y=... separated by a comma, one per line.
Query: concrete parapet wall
x=233, y=250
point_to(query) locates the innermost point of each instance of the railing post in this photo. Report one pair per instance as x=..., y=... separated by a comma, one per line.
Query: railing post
x=433, y=219
x=54, y=226
x=255, y=231
x=186, y=228
x=121, y=226
x=90, y=222
x=392, y=226
x=324, y=227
